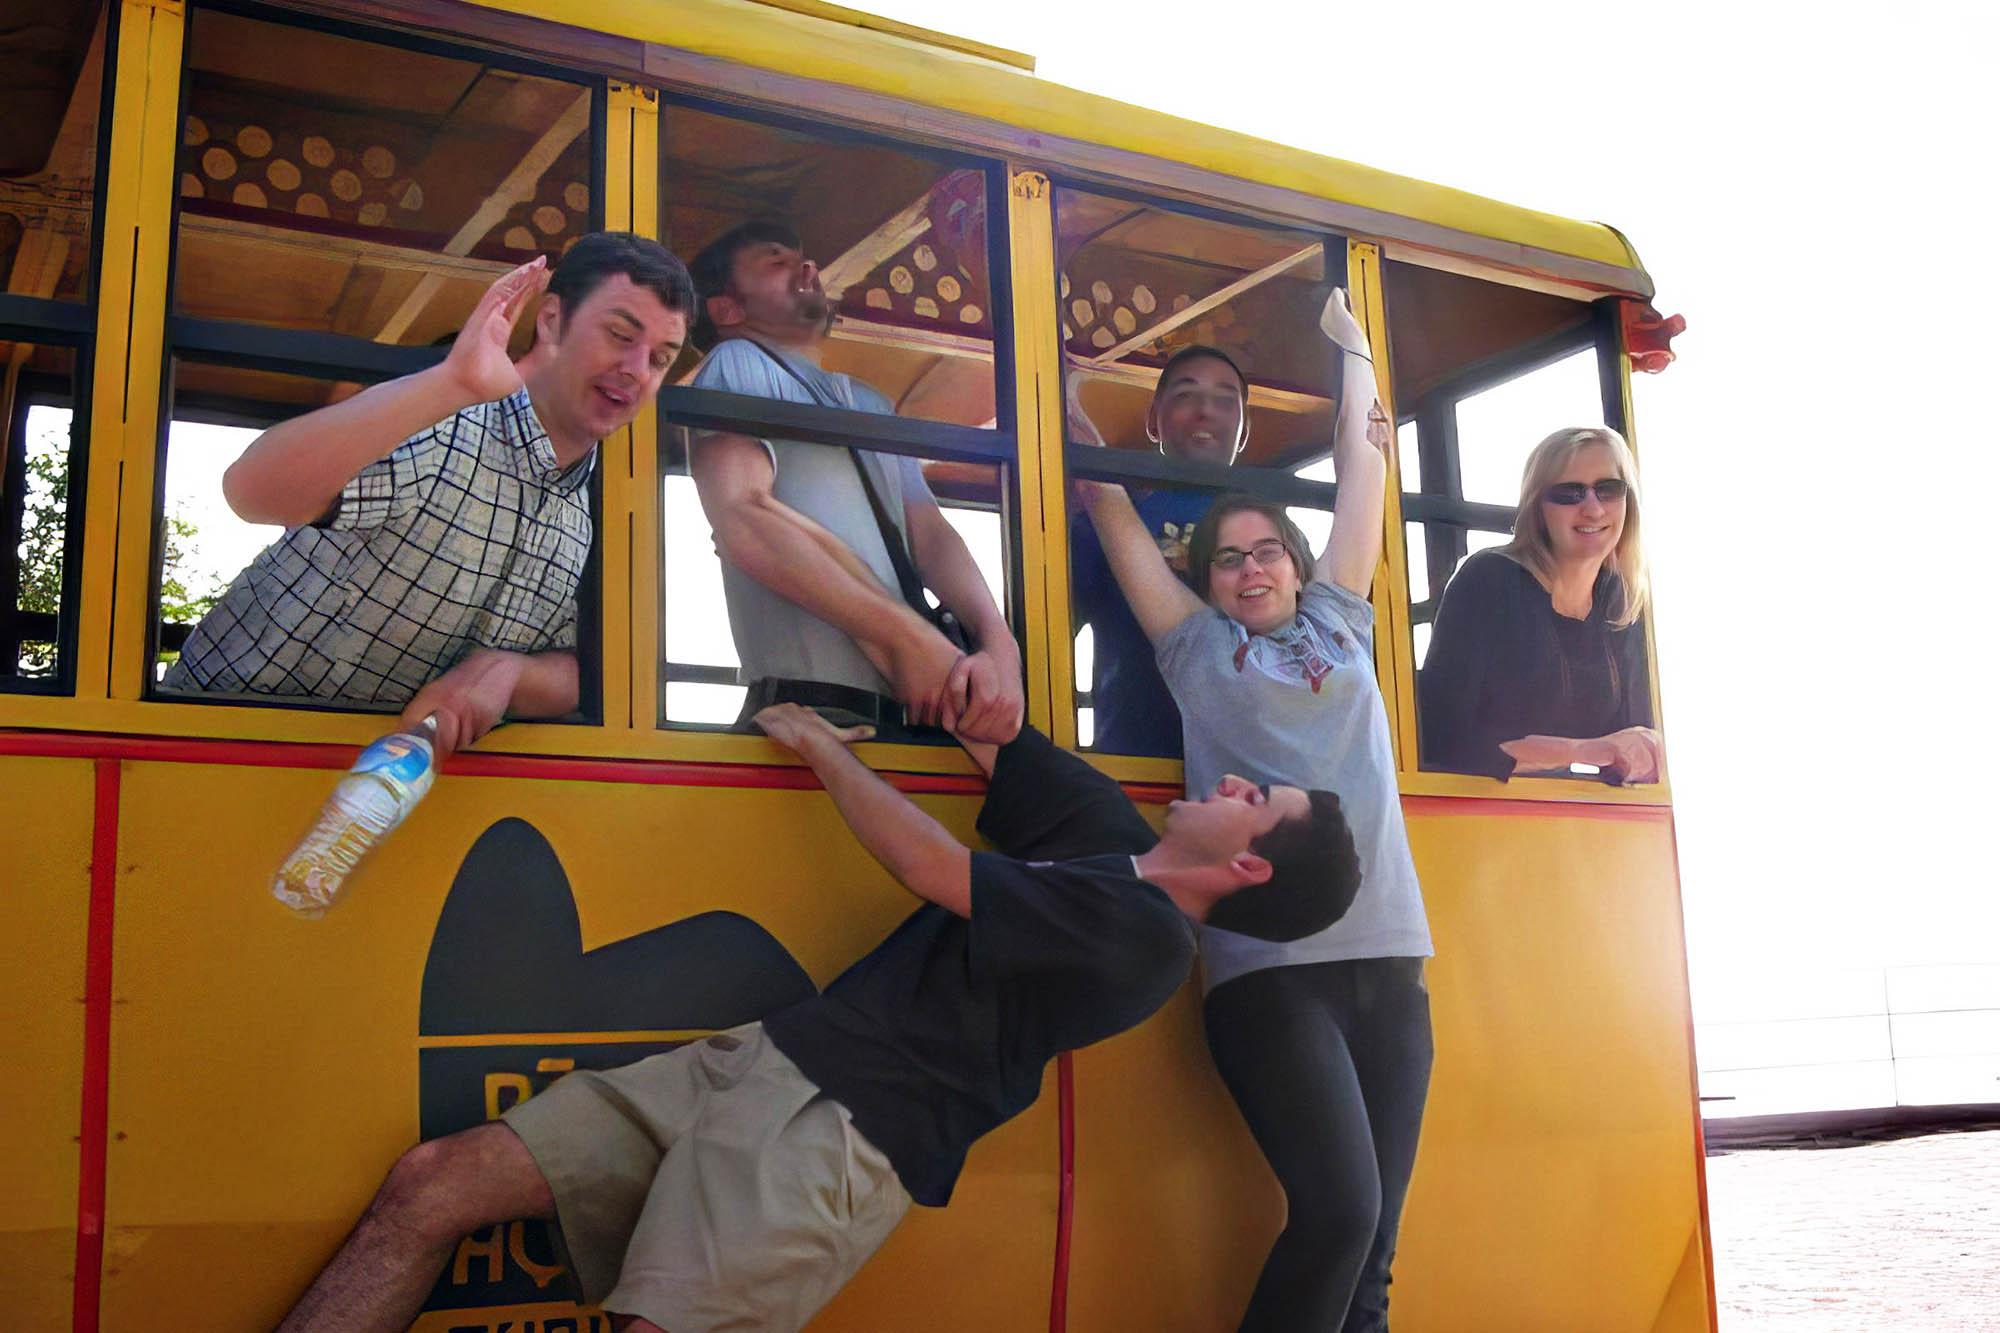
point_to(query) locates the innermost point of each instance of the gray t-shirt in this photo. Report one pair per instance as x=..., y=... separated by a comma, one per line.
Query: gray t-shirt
x=1301, y=708
x=774, y=636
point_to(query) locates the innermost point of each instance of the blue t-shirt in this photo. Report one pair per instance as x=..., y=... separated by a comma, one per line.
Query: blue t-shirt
x=1133, y=709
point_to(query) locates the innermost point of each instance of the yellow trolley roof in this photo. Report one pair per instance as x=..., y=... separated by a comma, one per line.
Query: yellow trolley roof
x=765, y=49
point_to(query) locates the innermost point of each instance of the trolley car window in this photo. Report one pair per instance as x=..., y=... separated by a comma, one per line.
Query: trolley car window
x=912, y=261
x=1483, y=373
x=1142, y=287
x=51, y=158
x=366, y=189
x=41, y=451
x=344, y=199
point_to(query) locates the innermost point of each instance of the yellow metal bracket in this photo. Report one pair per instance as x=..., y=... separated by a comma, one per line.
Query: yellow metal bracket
x=630, y=531
x=137, y=210
x=1395, y=669
x=1038, y=415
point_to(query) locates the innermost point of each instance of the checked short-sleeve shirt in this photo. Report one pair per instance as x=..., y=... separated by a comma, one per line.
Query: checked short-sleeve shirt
x=469, y=534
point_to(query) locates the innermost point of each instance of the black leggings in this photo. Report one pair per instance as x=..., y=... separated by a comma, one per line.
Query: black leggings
x=1330, y=1063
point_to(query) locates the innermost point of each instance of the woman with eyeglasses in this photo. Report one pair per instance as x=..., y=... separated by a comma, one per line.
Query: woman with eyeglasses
x=1324, y=1042
x=1537, y=660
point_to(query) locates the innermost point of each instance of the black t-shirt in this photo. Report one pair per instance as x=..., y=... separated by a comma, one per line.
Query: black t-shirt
x=941, y=1032
x=1504, y=664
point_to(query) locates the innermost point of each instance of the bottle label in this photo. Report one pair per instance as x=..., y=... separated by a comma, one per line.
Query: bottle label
x=401, y=760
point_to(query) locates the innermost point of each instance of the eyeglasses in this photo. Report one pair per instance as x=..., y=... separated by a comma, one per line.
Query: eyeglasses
x=1266, y=553
x=1608, y=489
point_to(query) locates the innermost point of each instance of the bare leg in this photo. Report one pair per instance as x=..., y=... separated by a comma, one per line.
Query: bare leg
x=436, y=1193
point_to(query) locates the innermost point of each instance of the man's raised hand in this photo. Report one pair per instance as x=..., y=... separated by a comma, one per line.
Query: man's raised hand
x=478, y=363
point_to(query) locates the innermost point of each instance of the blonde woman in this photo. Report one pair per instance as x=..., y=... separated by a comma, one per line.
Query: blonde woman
x=1538, y=657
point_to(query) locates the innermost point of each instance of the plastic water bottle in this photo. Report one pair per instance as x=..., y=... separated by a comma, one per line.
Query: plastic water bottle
x=384, y=785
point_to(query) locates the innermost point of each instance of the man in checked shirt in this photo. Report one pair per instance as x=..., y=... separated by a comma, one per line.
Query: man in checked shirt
x=437, y=525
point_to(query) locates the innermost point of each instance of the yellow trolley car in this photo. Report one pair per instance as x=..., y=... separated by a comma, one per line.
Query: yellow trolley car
x=217, y=214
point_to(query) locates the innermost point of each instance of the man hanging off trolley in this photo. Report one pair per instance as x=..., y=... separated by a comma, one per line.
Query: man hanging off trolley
x=738, y=1182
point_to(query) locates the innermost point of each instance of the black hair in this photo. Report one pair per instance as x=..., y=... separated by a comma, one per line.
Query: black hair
x=605, y=254
x=1194, y=351
x=1315, y=873
x=716, y=263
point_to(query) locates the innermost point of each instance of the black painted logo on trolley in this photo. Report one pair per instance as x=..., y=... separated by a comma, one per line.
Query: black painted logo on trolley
x=507, y=959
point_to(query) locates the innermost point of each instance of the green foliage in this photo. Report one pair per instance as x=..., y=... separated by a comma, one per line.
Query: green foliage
x=185, y=594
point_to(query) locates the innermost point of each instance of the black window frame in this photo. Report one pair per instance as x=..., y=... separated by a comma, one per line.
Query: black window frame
x=694, y=409
x=1152, y=468
x=1440, y=505
x=70, y=324
x=317, y=355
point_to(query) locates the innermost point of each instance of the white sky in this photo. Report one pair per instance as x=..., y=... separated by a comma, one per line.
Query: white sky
x=1803, y=183
x=1807, y=191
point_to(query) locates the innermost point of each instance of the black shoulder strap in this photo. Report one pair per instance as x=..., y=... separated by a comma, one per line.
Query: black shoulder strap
x=911, y=586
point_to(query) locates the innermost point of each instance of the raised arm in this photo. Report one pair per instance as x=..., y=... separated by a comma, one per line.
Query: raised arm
x=916, y=849
x=1361, y=440
x=293, y=473
x=793, y=557
x=1158, y=598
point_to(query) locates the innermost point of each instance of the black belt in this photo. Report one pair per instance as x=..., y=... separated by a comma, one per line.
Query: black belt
x=876, y=710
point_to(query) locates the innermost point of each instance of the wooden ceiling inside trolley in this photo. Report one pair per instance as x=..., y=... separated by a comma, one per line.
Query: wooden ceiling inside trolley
x=355, y=188
x=1139, y=283
x=52, y=66
x=900, y=237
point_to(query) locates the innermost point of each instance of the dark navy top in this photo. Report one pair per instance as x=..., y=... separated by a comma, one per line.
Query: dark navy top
x=941, y=1032
x=1503, y=664
x=1133, y=711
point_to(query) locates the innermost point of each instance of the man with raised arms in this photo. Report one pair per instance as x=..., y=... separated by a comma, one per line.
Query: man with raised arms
x=738, y=1182
x=1200, y=414
x=808, y=629
x=437, y=525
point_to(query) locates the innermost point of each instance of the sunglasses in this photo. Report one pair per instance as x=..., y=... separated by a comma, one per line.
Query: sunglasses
x=1572, y=492
x=1266, y=553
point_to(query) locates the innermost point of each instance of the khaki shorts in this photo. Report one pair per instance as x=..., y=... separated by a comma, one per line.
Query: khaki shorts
x=711, y=1188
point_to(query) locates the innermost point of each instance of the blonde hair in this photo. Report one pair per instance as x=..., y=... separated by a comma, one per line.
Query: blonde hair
x=1532, y=546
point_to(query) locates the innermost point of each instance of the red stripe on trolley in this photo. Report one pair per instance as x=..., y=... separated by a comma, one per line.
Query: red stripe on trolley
x=1065, y=1191
x=91, y=1136
x=643, y=772
x=289, y=754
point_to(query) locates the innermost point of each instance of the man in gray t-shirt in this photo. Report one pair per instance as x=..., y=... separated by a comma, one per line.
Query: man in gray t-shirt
x=811, y=588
